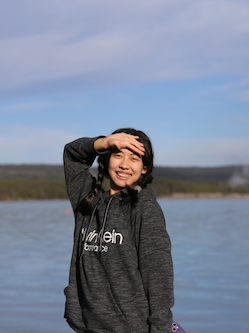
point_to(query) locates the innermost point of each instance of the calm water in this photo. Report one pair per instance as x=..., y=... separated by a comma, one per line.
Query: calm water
x=210, y=251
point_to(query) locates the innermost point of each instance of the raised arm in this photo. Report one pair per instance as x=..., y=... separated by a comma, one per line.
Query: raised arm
x=80, y=154
x=78, y=157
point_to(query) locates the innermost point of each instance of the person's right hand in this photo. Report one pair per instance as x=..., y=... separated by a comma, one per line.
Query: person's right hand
x=120, y=141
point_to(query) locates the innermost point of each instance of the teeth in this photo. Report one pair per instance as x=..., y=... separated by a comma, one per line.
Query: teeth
x=123, y=175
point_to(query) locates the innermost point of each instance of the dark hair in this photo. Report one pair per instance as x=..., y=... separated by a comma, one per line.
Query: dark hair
x=103, y=161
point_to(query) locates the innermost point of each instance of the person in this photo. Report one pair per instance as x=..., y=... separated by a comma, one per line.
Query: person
x=121, y=273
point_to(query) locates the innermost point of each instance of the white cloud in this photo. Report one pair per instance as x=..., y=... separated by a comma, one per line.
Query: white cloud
x=238, y=88
x=124, y=41
x=37, y=145
x=45, y=145
x=244, y=95
x=24, y=106
x=201, y=151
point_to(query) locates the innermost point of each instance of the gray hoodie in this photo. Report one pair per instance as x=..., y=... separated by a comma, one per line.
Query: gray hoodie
x=121, y=274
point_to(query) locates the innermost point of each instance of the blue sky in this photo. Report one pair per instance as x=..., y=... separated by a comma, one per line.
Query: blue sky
x=176, y=69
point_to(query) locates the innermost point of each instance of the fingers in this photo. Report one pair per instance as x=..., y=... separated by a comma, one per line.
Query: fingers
x=134, y=145
x=123, y=140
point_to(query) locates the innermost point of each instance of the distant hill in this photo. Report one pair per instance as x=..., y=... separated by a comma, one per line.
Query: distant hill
x=44, y=171
x=31, y=171
x=198, y=173
x=46, y=182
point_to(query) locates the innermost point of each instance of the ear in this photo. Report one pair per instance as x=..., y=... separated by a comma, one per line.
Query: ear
x=144, y=170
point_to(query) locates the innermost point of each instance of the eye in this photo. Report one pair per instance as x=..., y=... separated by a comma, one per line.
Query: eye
x=135, y=158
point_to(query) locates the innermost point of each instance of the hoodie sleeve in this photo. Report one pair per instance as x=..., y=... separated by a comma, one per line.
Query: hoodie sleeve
x=156, y=267
x=78, y=157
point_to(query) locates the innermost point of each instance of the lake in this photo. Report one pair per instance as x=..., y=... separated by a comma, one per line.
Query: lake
x=210, y=251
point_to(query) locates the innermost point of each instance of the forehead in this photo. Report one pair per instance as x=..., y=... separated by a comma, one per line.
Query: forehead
x=126, y=151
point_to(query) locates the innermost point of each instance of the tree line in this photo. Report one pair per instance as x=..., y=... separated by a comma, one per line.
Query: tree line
x=47, y=189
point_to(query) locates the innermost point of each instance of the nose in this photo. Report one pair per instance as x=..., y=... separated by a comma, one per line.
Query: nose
x=124, y=164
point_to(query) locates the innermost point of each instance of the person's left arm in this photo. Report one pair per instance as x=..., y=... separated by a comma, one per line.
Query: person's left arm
x=156, y=267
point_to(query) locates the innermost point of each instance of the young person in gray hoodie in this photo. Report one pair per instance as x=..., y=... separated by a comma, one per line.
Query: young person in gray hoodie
x=121, y=274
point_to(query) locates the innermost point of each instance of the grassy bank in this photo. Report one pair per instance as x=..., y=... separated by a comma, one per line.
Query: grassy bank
x=32, y=189
x=45, y=189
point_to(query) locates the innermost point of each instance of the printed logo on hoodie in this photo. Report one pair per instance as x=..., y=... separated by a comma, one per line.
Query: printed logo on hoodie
x=93, y=239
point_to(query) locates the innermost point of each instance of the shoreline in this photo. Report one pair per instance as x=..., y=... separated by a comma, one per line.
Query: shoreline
x=177, y=195
x=210, y=195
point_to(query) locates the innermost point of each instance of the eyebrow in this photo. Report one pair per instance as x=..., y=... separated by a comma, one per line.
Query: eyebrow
x=133, y=153
x=117, y=151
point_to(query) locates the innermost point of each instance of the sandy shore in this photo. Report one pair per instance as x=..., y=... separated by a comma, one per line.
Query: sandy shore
x=215, y=195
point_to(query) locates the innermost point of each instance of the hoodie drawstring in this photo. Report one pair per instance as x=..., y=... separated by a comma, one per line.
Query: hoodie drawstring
x=88, y=227
x=86, y=230
x=103, y=225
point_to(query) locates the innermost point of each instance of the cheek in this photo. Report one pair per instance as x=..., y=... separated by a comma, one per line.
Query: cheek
x=140, y=169
x=112, y=163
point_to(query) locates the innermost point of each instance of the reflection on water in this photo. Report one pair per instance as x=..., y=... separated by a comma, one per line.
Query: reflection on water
x=210, y=251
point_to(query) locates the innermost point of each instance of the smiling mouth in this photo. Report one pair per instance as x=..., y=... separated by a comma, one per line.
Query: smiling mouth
x=122, y=175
